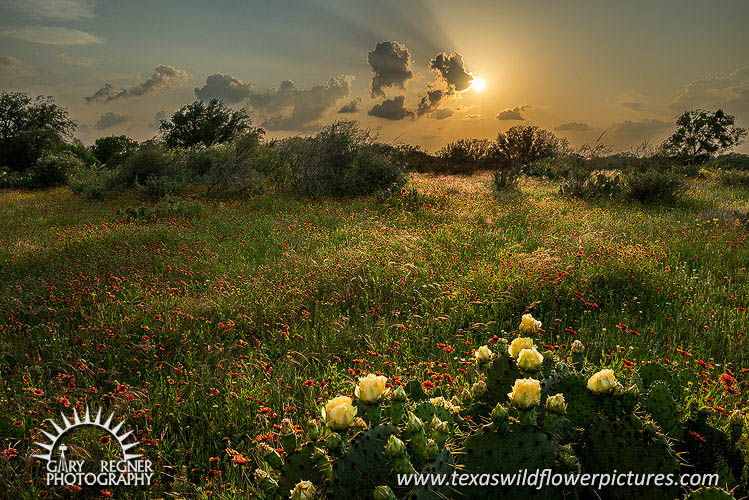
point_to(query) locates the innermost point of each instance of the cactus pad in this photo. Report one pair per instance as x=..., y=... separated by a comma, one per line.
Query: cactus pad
x=649, y=373
x=443, y=464
x=426, y=410
x=299, y=466
x=706, y=446
x=582, y=405
x=501, y=376
x=662, y=407
x=709, y=493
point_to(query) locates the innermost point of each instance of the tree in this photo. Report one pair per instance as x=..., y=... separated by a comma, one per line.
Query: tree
x=522, y=145
x=701, y=134
x=198, y=123
x=29, y=127
x=106, y=148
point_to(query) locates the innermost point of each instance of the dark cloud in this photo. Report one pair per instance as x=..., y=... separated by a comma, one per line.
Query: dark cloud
x=573, y=127
x=391, y=109
x=443, y=113
x=730, y=93
x=9, y=61
x=391, y=65
x=164, y=77
x=350, y=107
x=513, y=113
x=224, y=87
x=430, y=102
x=287, y=107
x=474, y=117
x=452, y=71
x=160, y=115
x=633, y=133
x=637, y=106
x=109, y=120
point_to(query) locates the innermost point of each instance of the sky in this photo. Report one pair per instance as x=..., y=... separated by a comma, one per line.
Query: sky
x=415, y=71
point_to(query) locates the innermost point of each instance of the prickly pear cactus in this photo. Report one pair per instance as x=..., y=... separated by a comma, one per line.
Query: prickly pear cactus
x=706, y=447
x=649, y=373
x=500, y=377
x=549, y=383
x=488, y=452
x=625, y=445
x=415, y=391
x=709, y=493
x=443, y=464
x=426, y=410
x=582, y=405
x=302, y=466
x=365, y=465
x=662, y=408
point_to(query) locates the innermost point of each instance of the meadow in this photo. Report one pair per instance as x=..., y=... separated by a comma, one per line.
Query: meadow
x=205, y=322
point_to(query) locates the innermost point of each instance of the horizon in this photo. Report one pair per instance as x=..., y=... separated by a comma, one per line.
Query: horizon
x=427, y=73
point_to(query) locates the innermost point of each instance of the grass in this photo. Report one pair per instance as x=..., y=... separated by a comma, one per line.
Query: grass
x=205, y=327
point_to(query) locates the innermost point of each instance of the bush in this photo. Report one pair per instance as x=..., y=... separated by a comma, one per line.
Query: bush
x=151, y=159
x=734, y=178
x=53, y=169
x=465, y=155
x=585, y=182
x=156, y=187
x=113, y=148
x=94, y=183
x=506, y=179
x=654, y=185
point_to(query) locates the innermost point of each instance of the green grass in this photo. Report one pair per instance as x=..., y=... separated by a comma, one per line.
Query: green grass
x=204, y=330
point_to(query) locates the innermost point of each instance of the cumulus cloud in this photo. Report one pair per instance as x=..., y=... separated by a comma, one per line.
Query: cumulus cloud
x=109, y=120
x=52, y=9
x=160, y=115
x=164, y=77
x=350, y=107
x=224, y=87
x=9, y=61
x=452, y=71
x=512, y=113
x=634, y=105
x=48, y=35
x=573, y=127
x=391, y=65
x=633, y=133
x=474, y=117
x=287, y=107
x=391, y=109
x=430, y=102
x=443, y=113
x=730, y=93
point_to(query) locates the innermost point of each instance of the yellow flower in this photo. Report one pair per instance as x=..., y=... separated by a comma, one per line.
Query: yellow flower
x=483, y=354
x=338, y=413
x=371, y=389
x=530, y=359
x=602, y=382
x=518, y=345
x=304, y=490
x=526, y=393
x=529, y=325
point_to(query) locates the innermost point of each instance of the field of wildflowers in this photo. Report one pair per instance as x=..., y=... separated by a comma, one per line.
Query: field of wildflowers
x=207, y=324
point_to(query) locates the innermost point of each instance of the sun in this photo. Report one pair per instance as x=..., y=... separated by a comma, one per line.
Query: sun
x=478, y=83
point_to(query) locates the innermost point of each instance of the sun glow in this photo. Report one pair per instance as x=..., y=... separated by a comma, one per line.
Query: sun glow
x=478, y=83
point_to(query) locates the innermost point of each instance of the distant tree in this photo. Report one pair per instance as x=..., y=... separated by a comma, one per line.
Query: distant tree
x=206, y=124
x=465, y=152
x=106, y=148
x=30, y=127
x=701, y=134
x=522, y=145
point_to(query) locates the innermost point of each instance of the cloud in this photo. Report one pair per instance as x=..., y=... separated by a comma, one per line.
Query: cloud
x=224, y=87
x=391, y=65
x=474, y=117
x=9, y=61
x=350, y=107
x=430, y=102
x=513, y=113
x=164, y=77
x=573, y=127
x=52, y=9
x=632, y=133
x=160, y=115
x=84, y=62
x=730, y=93
x=49, y=35
x=109, y=120
x=391, y=109
x=441, y=114
x=287, y=107
x=637, y=106
x=452, y=71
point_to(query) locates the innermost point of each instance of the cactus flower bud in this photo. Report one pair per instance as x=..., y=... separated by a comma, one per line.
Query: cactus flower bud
x=265, y=482
x=313, y=430
x=633, y=391
x=518, y=345
x=529, y=360
x=465, y=394
x=577, y=347
x=736, y=418
x=384, y=493
x=288, y=436
x=602, y=382
x=333, y=442
x=286, y=426
x=526, y=393
x=399, y=394
x=483, y=354
x=440, y=425
x=618, y=389
x=270, y=455
x=500, y=413
x=304, y=490
x=395, y=447
x=432, y=449
x=529, y=325
x=339, y=413
x=414, y=424
x=556, y=404
x=478, y=389
x=371, y=389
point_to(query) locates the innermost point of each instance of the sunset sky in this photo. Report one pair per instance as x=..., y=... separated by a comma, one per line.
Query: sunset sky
x=404, y=68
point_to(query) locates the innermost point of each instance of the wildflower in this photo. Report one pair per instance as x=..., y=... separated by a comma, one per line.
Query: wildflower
x=518, y=345
x=577, y=347
x=371, y=389
x=529, y=359
x=339, y=413
x=602, y=382
x=526, y=393
x=529, y=325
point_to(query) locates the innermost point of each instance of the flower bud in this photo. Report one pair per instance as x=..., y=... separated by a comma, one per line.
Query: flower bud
x=529, y=360
x=529, y=325
x=633, y=391
x=395, y=447
x=286, y=426
x=500, y=413
x=478, y=389
x=313, y=430
x=483, y=354
x=432, y=449
x=440, y=425
x=414, y=424
x=333, y=442
x=384, y=493
x=399, y=394
x=465, y=394
x=270, y=455
x=556, y=404
x=618, y=389
x=304, y=490
x=266, y=483
x=736, y=418
x=359, y=424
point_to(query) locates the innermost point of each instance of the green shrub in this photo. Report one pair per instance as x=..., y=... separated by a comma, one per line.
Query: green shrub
x=10, y=179
x=53, y=169
x=94, y=183
x=736, y=178
x=654, y=185
x=583, y=181
x=151, y=159
x=156, y=187
x=465, y=155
